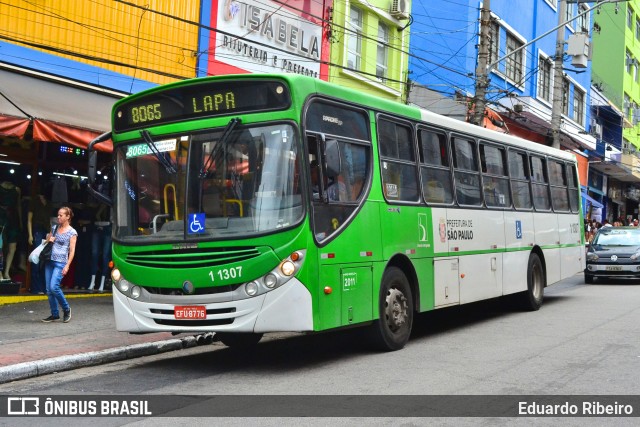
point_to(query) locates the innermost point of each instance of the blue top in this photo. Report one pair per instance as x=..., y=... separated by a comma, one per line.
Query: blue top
x=60, y=250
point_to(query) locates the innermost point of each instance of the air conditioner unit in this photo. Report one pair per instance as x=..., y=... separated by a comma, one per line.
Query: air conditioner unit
x=596, y=130
x=399, y=9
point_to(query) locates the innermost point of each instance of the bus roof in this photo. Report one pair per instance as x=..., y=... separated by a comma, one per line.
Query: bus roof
x=311, y=85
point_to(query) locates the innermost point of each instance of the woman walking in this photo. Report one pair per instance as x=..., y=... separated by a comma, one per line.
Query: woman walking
x=64, y=248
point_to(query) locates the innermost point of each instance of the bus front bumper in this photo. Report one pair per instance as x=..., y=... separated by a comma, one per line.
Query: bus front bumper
x=287, y=308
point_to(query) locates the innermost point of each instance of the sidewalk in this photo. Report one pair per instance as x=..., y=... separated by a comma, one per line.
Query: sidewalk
x=29, y=347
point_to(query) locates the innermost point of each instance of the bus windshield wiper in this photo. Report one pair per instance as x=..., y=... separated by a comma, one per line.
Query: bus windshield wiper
x=169, y=167
x=216, y=149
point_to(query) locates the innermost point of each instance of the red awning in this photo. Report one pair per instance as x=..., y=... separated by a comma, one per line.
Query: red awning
x=48, y=131
x=13, y=126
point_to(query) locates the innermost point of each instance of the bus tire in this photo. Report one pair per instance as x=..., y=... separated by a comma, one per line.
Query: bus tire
x=239, y=340
x=531, y=299
x=392, y=329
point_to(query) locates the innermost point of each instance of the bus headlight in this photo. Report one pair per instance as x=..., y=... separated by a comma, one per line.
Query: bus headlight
x=270, y=280
x=251, y=288
x=135, y=292
x=288, y=268
x=128, y=289
x=123, y=285
x=276, y=277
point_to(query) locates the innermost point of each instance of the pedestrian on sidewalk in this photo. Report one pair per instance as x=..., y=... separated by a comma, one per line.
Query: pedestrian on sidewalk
x=64, y=248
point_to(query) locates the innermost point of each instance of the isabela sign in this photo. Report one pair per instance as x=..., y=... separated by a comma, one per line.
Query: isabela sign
x=265, y=37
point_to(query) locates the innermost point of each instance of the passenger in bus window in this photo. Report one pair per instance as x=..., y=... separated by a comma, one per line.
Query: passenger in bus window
x=337, y=190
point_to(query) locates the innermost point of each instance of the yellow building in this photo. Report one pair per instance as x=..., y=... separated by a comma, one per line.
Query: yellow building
x=153, y=41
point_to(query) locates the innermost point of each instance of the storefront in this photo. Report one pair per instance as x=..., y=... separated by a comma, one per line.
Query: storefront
x=46, y=124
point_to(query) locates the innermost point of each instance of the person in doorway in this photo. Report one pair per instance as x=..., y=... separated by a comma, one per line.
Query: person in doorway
x=10, y=222
x=38, y=222
x=64, y=248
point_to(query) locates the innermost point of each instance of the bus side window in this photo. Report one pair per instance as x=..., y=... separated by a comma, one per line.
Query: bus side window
x=574, y=188
x=494, y=176
x=398, y=166
x=558, y=182
x=540, y=184
x=519, y=174
x=435, y=167
x=466, y=175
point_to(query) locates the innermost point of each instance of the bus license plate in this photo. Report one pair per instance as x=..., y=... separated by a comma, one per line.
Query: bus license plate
x=187, y=312
x=614, y=268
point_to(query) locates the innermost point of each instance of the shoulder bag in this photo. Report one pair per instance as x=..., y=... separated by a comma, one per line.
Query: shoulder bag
x=45, y=253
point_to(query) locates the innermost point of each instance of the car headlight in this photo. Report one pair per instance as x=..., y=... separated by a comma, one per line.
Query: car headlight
x=635, y=256
x=592, y=256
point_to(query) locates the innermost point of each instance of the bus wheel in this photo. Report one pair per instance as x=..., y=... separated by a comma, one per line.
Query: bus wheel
x=531, y=299
x=392, y=330
x=239, y=340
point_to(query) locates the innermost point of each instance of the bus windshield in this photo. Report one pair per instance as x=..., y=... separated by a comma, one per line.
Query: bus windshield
x=232, y=182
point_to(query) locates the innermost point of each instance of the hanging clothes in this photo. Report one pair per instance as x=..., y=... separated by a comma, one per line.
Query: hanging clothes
x=59, y=193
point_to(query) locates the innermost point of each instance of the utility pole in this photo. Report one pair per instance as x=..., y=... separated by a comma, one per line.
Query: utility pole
x=558, y=76
x=482, y=71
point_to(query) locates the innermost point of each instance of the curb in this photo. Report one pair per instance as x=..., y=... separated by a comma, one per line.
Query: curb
x=36, y=368
x=15, y=299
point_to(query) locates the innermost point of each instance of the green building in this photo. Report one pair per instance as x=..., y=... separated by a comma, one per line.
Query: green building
x=369, y=46
x=616, y=63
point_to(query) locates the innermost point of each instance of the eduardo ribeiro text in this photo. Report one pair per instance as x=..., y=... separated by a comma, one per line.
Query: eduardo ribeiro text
x=566, y=408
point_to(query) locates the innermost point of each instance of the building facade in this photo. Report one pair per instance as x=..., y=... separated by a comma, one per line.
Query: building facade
x=598, y=127
x=369, y=46
x=521, y=69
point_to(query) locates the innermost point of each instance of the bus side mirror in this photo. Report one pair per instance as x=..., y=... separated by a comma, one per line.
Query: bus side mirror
x=332, y=158
x=92, y=169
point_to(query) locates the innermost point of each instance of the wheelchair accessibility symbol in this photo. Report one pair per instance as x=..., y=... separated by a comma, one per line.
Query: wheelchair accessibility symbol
x=196, y=223
x=518, y=229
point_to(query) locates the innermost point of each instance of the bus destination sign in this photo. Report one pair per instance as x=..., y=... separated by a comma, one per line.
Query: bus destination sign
x=201, y=99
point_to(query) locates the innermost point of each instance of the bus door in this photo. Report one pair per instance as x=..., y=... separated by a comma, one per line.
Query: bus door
x=338, y=172
x=446, y=282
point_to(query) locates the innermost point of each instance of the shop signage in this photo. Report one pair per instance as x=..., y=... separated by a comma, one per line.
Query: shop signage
x=264, y=37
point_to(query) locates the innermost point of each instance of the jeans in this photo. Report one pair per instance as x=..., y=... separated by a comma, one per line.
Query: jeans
x=53, y=277
x=101, y=244
x=37, y=275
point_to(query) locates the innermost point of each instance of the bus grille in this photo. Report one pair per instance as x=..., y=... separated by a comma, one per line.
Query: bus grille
x=191, y=258
x=209, y=290
x=188, y=323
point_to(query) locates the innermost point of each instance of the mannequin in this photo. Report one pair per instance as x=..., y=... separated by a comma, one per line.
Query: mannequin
x=38, y=225
x=100, y=248
x=11, y=219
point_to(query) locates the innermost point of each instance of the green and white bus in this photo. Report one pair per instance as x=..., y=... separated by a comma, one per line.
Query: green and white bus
x=247, y=204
